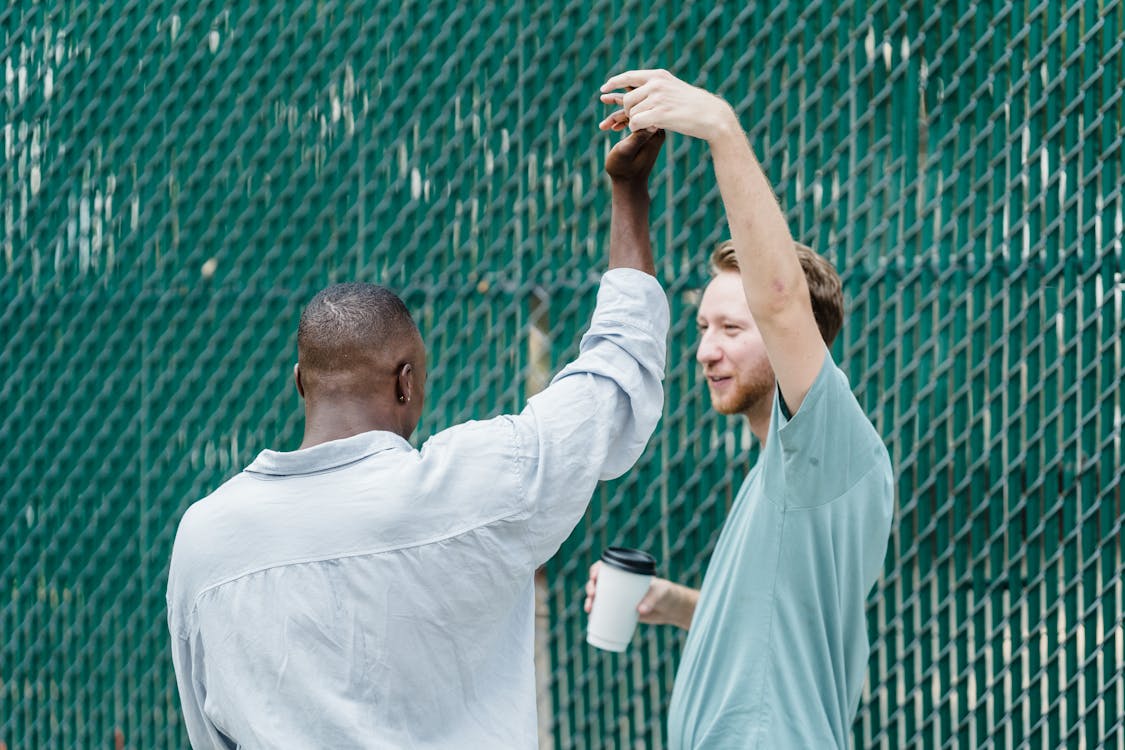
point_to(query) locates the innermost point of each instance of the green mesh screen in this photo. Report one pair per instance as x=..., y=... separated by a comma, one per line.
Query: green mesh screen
x=177, y=179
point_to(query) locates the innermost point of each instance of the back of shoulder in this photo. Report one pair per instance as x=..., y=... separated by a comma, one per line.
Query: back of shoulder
x=195, y=564
x=472, y=439
x=201, y=515
x=201, y=531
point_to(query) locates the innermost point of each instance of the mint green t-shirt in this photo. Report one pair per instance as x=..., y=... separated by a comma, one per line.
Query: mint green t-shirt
x=777, y=652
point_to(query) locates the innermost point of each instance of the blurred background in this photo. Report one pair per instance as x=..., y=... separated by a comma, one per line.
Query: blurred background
x=178, y=178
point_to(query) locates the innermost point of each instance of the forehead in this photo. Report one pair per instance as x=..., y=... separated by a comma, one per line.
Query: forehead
x=724, y=296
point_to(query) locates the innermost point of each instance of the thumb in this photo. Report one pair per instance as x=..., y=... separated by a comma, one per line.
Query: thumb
x=648, y=603
x=634, y=143
x=643, y=136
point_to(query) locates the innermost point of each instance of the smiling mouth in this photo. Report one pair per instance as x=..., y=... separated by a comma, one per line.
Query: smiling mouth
x=717, y=380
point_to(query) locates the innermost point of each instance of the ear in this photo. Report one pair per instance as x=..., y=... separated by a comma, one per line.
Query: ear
x=297, y=379
x=404, y=383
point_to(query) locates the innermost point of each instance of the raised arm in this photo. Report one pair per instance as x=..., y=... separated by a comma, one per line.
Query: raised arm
x=775, y=285
x=628, y=165
x=594, y=419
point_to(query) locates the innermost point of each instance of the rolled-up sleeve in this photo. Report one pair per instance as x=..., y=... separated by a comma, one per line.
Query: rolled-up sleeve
x=595, y=418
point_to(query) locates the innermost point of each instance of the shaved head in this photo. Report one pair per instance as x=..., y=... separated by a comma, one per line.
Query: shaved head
x=353, y=340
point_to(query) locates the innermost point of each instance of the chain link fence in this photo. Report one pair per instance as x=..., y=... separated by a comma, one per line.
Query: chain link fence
x=177, y=179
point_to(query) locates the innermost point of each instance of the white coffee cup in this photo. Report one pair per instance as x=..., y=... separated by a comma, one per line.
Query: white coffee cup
x=623, y=581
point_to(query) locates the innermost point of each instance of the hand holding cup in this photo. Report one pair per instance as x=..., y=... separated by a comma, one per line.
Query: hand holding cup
x=621, y=580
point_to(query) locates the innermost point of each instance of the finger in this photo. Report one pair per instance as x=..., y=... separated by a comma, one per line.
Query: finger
x=612, y=98
x=645, y=104
x=643, y=121
x=645, y=115
x=637, y=140
x=634, y=78
x=627, y=149
x=632, y=99
x=588, y=605
x=590, y=588
x=648, y=604
x=654, y=142
x=620, y=117
x=617, y=121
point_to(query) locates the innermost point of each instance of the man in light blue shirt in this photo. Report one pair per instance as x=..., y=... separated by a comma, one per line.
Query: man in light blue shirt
x=777, y=648
x=359, y=593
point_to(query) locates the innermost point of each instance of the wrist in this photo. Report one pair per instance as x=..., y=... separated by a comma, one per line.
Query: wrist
x=726, y=130
x=687, y=598
x=627, y=188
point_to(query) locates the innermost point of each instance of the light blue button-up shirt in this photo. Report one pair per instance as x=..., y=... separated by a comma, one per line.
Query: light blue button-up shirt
x=363, y=594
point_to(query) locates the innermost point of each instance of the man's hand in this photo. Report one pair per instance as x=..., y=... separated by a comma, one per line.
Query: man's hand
x=666, y=603
x=631, y=159
x=657, y=99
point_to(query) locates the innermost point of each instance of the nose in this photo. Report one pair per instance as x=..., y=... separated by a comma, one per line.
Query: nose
x=708, y=351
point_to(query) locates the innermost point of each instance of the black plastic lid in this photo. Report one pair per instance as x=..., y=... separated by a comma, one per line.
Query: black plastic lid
x=631, y=560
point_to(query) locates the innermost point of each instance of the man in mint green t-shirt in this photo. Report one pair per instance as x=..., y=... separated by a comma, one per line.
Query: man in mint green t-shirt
x=777, y=647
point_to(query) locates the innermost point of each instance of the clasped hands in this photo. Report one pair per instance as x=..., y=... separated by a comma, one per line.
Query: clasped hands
x=651, y=102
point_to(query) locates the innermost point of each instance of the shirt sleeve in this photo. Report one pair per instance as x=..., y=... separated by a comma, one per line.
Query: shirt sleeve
x=595, y=418
x=829, y=445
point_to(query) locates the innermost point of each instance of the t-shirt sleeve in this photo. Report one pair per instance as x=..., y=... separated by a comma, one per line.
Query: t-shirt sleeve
x=829, y=445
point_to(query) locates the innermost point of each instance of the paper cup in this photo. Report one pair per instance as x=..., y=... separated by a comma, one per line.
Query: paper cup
x=623, y=581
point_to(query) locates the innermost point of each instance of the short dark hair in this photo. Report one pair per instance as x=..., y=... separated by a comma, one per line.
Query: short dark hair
x=345, y=319
x=825, y=287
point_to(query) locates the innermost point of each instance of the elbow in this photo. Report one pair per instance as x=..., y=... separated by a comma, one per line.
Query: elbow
x=638, y=417
x=780, y=298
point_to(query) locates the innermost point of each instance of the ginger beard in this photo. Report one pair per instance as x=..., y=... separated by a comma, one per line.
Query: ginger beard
x=743, y=392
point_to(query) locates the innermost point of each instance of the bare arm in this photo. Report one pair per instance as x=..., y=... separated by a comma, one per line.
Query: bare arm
x=628, y=165
x=775, y=285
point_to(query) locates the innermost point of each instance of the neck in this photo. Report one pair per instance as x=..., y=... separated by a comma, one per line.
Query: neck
x=336, y=422
x=758, y=416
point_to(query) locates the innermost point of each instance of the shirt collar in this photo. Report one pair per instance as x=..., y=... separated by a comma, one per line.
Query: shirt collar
x=327, y=456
